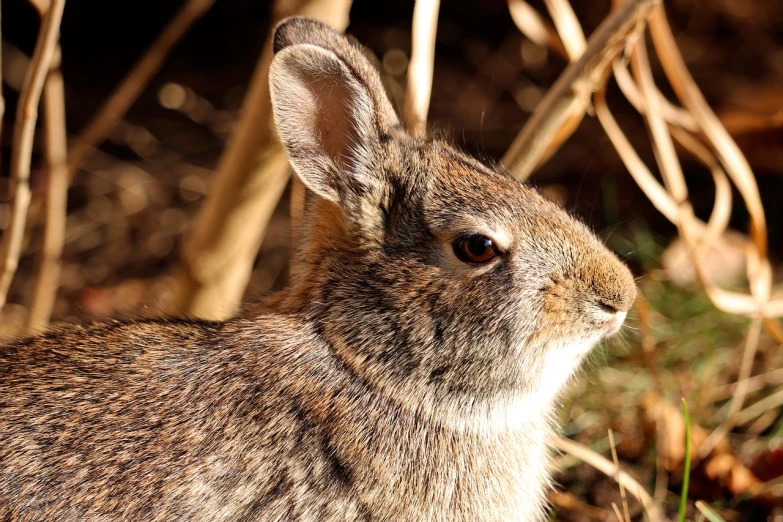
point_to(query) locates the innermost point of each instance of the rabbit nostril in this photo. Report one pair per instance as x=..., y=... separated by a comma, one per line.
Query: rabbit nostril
x=608, y=308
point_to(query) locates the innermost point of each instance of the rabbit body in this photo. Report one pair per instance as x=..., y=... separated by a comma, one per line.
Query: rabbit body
x=171, y=420
x=436, y=310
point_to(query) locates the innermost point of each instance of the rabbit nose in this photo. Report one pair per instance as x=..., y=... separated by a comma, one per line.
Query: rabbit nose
x=614, y=290
x=616, y=304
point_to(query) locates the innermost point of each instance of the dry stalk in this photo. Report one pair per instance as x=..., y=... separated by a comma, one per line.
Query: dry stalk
x=21, y=155
x=774, y=329
x=665, y=204
x=608, y=468
x=218, y=252
x=759, y=408
x=743, y=122
x=568, y=27
x=736, y=166
x=617, y=512
x=663, y=145
x=56, y=145
x=2, y=99
x=661, y=490
x=738, y=399
x=570, y=95
x=755, y=383
x=759, y=271
x=40, y=5
x=675, y=181
x=567, y=501
x=532, y=25
x=617, y=471
x=539, y=31
x=417, y=94
x=643, y=308
x=115, y=107
x=654, y=191
x=649, y=103
x=721, y=211
x=724, y=146
x=666, y=156
x=670, y=112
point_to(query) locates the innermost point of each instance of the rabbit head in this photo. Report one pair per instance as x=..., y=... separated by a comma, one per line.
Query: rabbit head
x=434, y=278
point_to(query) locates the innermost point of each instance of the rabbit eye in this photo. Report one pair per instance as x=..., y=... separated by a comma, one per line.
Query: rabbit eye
x=475, y=249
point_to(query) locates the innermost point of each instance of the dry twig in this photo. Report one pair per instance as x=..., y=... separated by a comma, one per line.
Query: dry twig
x=573, y=39
x=417, y=94
x=617, y=512
x=738, y=399
x=606, y=467
x=654, y=191
x=21, y=156
x=2, y=99
x=671, y=113
x=56, y=145
x=759, y=273
x=115, y=107
x=758, y=408
x=40, y=5
x=725, y=147
x=532, y=25
x=617, y=471
x=568, y=27
x=736, y=166
x=755, y=383
x=567, y=501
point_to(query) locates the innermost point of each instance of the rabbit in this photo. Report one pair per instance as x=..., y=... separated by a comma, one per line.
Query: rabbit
x=409, y=371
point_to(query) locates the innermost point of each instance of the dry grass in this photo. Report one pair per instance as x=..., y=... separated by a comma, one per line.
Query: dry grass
x=698, y=129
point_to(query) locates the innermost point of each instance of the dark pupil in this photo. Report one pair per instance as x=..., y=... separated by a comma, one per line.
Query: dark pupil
x=474, y=249
x=478, y=245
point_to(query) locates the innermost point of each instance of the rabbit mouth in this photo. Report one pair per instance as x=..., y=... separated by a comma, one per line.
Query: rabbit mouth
x=615, y=323
x=609, y=320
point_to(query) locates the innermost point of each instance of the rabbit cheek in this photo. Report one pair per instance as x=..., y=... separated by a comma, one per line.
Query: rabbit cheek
x=570, y=332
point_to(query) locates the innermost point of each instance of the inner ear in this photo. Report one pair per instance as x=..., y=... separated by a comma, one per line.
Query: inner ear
x=337, y=122
x=326, y=120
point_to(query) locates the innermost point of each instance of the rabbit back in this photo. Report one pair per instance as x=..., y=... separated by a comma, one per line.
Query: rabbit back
x=156, y=421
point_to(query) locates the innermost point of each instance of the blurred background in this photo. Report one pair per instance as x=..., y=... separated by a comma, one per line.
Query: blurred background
x=129, y=206
x=131, y=202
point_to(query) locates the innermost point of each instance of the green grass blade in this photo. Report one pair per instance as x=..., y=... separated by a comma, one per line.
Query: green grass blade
x=686, y=473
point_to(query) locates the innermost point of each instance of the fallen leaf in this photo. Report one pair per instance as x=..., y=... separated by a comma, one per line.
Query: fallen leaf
x=720, y=473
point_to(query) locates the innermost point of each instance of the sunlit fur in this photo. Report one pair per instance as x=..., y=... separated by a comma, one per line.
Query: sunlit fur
x=389, y=382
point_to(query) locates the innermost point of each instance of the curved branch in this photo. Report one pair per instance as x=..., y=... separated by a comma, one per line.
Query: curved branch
x=569, y=97
x=24, y=132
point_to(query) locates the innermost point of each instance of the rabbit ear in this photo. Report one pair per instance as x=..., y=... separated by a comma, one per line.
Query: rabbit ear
x=330, y=108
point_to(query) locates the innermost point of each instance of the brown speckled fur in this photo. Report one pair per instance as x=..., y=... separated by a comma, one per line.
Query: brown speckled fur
x=389, y=382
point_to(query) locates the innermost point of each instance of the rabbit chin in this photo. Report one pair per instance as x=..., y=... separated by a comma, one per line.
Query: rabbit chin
x=527, y=408
x=554, y=372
